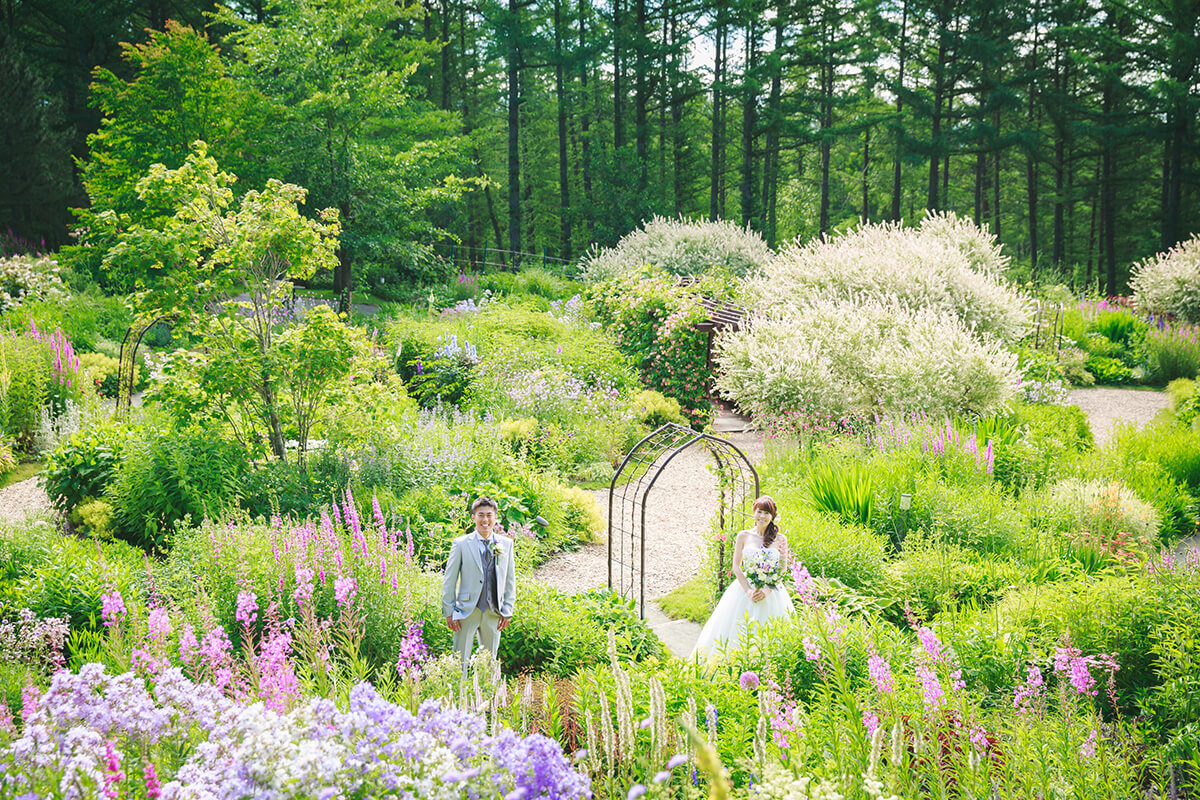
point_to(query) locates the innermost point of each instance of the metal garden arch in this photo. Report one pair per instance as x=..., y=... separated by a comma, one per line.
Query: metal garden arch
x=630, y=489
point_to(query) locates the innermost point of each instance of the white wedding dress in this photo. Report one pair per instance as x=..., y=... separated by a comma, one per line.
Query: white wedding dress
x=735, y=612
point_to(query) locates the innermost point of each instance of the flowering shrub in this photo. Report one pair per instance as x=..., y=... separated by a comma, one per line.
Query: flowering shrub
x=1171, y=351
x=946, y=266
x=833, y=359
x=28, y=277
x=1169, y=282
x=680, y=247
x=39, y=375
x=93, y=734
x=654, y=320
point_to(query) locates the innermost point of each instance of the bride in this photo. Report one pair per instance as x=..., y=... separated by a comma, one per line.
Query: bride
x=742, y=605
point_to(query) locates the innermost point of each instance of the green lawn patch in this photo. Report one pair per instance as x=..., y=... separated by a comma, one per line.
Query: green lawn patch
x=22, y=472
x=689, y=601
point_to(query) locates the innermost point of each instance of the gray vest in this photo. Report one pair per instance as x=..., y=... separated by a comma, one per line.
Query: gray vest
x=487, y=598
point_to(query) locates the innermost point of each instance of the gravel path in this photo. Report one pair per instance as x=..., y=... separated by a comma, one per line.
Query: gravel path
x=1104, y=406
x=22, y=498
x=681, y=506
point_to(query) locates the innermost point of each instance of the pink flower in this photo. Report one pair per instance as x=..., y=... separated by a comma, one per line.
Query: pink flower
x=344, y=590
x=931, y=643
x=1088, y=748
x=247, y=608
x=159, y=624
x=931, y=689
x=812, y=650
x=112, y=608
x=748, y=680
x=881, y=673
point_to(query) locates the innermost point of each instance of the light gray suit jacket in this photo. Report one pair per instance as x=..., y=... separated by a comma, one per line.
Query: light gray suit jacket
x=464, y=576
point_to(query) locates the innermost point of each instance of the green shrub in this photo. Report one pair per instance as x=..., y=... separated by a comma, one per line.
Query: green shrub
x=84, y=465
x=1184, y=400
x=8, y=459
x=167, y=475
x=654, y=409
x=534, y=281
x=102, y=371
x=1109, y=371
x=1119, y=326
x=1170, y=352
x=829, y=548
x=842, y=490
x=561, y=634
x=274, y=487
x=54, y=575
x=654, y=320
x=95, y=516
x=1106, y=510
x=933, y=576
x=1106, y=614
x=89, y=319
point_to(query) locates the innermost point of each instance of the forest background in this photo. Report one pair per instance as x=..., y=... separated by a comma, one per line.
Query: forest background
x=444, y=128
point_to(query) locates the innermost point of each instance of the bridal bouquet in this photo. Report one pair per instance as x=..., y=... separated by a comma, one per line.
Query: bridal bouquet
x=763, y=569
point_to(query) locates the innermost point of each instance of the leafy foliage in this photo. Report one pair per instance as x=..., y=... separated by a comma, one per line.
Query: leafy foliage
x=1169, y=282
x=834, y=359
x=946, y=266
x=680, y=247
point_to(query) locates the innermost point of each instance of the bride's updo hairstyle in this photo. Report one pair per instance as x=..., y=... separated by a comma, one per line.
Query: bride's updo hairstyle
x=768, y=505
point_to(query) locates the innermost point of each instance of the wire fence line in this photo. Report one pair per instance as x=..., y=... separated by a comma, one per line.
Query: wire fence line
x=500, y=258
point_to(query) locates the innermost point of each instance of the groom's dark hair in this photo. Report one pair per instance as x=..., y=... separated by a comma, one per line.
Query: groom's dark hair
x=484, y=501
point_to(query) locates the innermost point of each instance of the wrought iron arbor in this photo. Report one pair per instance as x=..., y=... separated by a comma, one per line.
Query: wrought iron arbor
x=630, y=489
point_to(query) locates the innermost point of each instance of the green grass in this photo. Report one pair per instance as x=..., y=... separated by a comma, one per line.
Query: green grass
x=22, y=472
x=690, y=601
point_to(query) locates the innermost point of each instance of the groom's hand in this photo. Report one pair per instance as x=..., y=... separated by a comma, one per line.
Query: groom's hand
x=453, y=624
x=503, y=623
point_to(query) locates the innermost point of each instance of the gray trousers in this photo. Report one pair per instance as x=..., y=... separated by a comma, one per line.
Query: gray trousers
x=486, y=625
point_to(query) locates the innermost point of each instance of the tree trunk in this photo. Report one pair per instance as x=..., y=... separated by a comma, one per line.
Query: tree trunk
x=896, y=213
x=1031, y=177
x=564, y=183
x=774, y=106
x=641, y=129
x=749, y=187
x=585, y=121
x=618, y=79
x=718, y=132
x=514, y=132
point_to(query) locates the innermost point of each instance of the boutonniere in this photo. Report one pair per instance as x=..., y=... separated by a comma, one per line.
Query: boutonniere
x=496, y=548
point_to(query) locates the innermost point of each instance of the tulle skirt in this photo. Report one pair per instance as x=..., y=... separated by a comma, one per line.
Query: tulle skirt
x=734, y=615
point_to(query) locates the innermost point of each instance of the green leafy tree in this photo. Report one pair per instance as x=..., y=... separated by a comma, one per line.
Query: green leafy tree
x=349, y=127
x=225, y=271
x=179, y=92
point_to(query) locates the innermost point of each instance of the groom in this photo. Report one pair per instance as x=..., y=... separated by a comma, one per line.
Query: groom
x=480, y=585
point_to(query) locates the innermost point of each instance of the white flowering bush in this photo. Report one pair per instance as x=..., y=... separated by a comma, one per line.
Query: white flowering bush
x=836, y=358
x=28, y=277
x=681, y=247
x=947, y=265
x=1170, y=282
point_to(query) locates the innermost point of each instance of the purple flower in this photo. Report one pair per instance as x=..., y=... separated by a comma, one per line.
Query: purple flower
x=158, y=625
x=881, y=674
x=676, y=760
x=748, y=680
x=112, y=608
x=931, y=643
x=344, y=591
x=247, y=608
x=662, y=776
x=635, y=791
x=413, y=652
x=812, y=650
x=931, y=689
